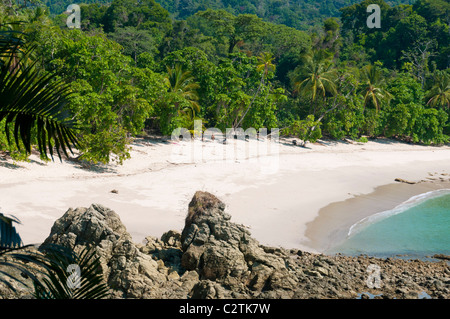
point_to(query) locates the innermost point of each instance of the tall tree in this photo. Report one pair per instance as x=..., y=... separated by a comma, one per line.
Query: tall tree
x=265, y=65
x=134, y=42
x=181, y=99
x=315, y=78
x=439, y=94
x=141, y=14
x=372, y=87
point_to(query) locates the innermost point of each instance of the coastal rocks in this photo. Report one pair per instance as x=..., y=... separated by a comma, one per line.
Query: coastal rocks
x=213, y=257
x=225, y=252
x=442, y=256
x=129, y=272
x=96, y=226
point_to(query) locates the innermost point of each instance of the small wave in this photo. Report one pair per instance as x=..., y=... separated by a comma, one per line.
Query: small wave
x=413, y=201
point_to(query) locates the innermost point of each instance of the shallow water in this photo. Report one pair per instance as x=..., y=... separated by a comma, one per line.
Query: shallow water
x=418, y=228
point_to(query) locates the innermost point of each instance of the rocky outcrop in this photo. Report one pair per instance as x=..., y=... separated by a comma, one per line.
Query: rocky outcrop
x=215, y=258
x=131, y=271
x=225, y=253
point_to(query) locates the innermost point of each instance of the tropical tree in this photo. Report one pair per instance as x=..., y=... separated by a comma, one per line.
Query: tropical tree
x=315, y=77
x=372, y=87
x=181, y=100
x=236, y=30
x=307, y=130
x=439, y=94
x=111, y=97
x=182, y=83
x=134, y=41
x=265, y=65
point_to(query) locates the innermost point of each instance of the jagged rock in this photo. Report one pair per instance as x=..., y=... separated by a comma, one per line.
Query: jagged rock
x=215, y=258
x=167, y=249
x=323, y=271
x=171, y=238
x=225, y=252
x=207, y=289
x=129, y=272
x=88, y=226
x=15, y=289
x=314, y=273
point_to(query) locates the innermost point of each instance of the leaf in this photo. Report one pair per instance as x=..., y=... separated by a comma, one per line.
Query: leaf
x=30, y=100
x=51, y=262
x=9, y=238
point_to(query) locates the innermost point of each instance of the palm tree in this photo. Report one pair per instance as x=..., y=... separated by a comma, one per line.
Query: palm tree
x=181, y=99
x=12, y=43
x=265, y=64
x=439, y=94
x=372, y=88
x=181, y=84
x=316, y=77
x=32, y=101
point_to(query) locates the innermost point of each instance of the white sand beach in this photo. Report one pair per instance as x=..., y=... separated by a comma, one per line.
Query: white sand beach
x=285, y=195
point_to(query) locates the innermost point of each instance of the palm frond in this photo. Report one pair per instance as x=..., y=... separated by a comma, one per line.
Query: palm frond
x=54, y=279
x=31, y=100
x=181, y=83
x=10, y=41
x=48, y=268
x=9, y=238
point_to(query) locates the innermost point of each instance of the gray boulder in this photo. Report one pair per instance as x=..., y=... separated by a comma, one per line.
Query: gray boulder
x=224, y=252
x=129, y=272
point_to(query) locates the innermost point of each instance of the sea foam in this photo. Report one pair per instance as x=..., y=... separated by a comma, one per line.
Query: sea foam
x=413, y=201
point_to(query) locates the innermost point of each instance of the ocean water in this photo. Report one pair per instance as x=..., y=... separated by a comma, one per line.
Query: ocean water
x=418, y=228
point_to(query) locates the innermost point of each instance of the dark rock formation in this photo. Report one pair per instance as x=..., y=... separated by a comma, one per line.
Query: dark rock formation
x=215, y=258
x=225, y=253
x=442, y=256
x=400, y=180
x=130, y=272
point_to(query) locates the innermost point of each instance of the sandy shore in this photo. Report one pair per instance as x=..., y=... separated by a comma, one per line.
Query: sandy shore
x=287, y=195
x=334, y=221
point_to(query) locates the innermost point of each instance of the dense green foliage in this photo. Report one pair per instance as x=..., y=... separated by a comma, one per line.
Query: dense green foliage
x=131, y=68
x=59, y=6
x=299, y=14
x=33, y=105
x=405, y=35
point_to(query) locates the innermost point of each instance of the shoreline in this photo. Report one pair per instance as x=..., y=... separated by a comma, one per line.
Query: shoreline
x=280, y=208
x=334, y=221
x=213, y=257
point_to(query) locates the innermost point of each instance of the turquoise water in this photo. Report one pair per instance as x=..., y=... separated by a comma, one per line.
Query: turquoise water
x=418, y=228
